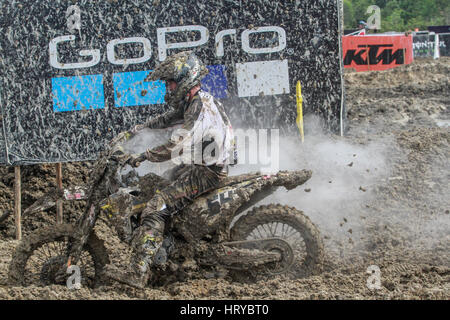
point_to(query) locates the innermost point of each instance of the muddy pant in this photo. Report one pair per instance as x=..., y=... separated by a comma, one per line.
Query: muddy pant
x=190, y=182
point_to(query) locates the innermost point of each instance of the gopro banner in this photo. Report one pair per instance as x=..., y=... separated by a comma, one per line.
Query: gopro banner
x=367, y=53
x=73, y=73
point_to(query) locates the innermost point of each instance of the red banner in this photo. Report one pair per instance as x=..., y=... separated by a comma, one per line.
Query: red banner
x=367, y=53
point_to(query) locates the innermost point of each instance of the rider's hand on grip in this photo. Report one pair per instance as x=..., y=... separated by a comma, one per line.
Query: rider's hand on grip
x=135, y=160
x=137, y=128
x=120, y=138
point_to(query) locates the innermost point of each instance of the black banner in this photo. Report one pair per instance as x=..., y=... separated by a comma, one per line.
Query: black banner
x=444, y=44
x=423, y=44
x=348, y=31
x=72, y=73
x=439, y=29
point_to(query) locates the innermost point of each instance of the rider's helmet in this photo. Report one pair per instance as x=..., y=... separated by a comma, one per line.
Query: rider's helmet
x=186, y=69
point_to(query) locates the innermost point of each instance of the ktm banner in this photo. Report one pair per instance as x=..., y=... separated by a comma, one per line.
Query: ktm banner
x=367, y=53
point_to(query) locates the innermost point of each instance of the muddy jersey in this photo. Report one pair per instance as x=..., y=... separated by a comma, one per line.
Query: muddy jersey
x=203, y=133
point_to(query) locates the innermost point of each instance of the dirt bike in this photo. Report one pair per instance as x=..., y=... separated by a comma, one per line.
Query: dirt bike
x=212, y=237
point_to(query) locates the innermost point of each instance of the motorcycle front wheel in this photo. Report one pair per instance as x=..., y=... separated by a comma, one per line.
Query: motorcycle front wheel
x=41, y=259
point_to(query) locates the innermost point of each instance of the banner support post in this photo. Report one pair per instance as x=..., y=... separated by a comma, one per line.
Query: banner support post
x=59, y=204
x=17, y=203
x=367, y=58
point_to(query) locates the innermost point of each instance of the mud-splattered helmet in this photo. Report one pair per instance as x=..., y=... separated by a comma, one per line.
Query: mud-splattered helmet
x=185, y=69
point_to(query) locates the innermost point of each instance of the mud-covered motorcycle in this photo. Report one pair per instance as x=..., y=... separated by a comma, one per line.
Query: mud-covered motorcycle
x=214, y=236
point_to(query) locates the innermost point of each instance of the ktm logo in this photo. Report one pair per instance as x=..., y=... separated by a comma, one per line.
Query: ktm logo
x=373, y=57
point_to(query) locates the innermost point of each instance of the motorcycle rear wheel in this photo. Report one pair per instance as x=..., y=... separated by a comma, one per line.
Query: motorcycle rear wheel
x=289, y=224
x=40, y=258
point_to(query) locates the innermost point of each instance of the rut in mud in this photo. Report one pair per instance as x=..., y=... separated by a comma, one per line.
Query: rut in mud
x=384, y=190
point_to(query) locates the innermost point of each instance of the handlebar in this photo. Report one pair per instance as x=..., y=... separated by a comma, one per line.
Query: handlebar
x=136, y=161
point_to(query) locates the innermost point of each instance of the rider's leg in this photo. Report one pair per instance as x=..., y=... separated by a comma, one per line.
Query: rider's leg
x=148, y=238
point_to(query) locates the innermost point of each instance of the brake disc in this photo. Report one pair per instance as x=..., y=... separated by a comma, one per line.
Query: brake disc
x=53, y=271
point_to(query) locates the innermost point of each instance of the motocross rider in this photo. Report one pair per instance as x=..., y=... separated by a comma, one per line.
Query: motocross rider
x=205, y=127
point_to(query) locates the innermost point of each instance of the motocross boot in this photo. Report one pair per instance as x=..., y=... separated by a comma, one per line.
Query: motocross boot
x=146, y=247
x=146, y=243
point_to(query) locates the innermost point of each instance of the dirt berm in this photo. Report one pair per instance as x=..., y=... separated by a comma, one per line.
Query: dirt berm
x=394, y=213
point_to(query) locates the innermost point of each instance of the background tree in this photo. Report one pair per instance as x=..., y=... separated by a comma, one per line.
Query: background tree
x=349, y=14
x=399, y=15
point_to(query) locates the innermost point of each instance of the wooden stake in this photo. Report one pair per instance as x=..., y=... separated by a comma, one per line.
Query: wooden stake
x=59, y=204
x=404, y=56
x=367, y=58
x=17, y=203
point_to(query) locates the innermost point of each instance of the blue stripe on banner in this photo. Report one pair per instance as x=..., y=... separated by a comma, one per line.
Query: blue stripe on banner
x=216, y=82
x=78, y=93
x=131, y=90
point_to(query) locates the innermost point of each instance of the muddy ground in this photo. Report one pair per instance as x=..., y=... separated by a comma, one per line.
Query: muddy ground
x=397, y=219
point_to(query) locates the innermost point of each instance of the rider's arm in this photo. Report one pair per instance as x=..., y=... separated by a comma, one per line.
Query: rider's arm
x=161, y=121
x=164, y=120
x=164, y=152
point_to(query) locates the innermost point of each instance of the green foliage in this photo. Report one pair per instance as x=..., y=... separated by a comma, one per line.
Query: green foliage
x=399, y=15
x=349, y=14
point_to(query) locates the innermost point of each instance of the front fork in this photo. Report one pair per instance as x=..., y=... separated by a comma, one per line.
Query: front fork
x=82, y=234
x=86, y=223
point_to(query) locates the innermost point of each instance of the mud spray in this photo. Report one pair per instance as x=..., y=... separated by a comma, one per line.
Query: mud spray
x=345, y=195
x=344, y=175
x=341, y=186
